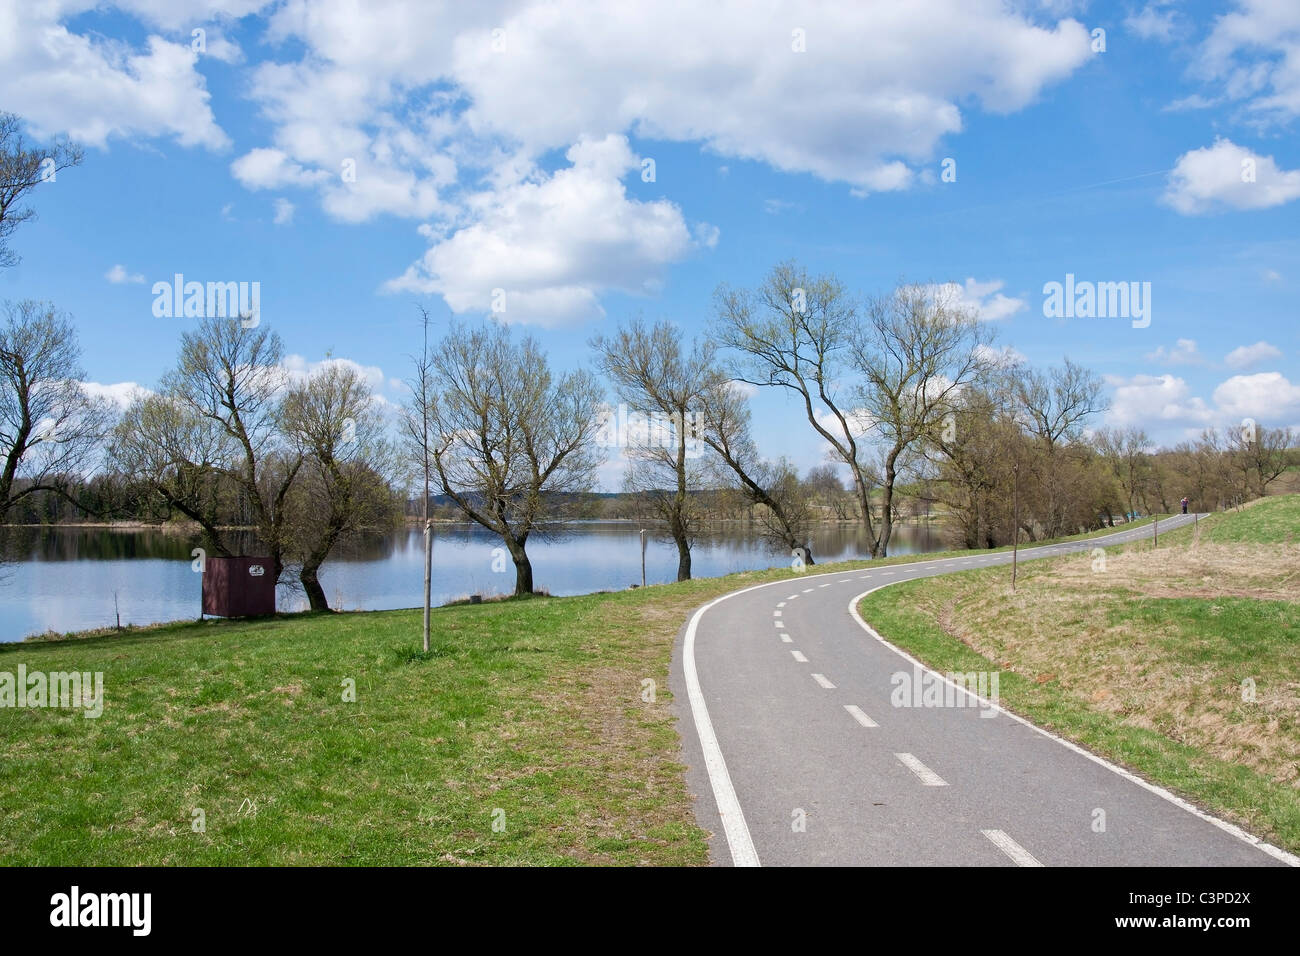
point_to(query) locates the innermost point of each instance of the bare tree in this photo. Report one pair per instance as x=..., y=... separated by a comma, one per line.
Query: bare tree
x=509, y=436
x=795, y=332
x=915, y=353
x=774, y=486
x=334, y=424
x=50, y=428
x=654, y=373
x=23, y=167
x=215, y=423
x=1125, y=451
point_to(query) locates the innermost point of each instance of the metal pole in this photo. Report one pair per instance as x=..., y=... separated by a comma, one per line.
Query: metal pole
x=1155, y=532
x=643, y=557
x=1015, y=530
x=428, y=576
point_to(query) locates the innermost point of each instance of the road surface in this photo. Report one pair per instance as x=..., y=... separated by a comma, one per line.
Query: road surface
x=797, y=755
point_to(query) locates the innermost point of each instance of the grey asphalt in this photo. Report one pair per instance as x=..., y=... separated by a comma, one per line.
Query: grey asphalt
x=793, y=753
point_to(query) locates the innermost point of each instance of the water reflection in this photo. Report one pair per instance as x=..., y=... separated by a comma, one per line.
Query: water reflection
x=69, y=578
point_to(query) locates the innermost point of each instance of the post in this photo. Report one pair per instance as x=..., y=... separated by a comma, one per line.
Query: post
x=1155, y=532
x=1015, y=527
x=643, y=557
x=428, y=575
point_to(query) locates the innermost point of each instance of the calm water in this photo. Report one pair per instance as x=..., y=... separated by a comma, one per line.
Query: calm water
x=65, y=579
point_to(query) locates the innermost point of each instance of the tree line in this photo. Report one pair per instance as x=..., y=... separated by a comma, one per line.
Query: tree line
x=905, y=390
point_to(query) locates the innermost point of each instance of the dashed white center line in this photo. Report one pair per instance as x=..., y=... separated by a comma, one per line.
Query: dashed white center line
x=799, y=657
x=779, y=623
x=808, y=590
x=780, y=604
x=821, y=679
x=1011, y=848
x=786, y=638
x=928, y=776
x=792, y=597
x=859, y=716
x=826, y=585
x=887, y=572
x=846, y=581
x=776, y=613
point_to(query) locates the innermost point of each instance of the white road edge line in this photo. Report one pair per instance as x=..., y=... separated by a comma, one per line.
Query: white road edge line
x=734, y=827
x=859, y=716
x=1290, y=859
x=821, y=679
x=1011, y=848
x=928, y=776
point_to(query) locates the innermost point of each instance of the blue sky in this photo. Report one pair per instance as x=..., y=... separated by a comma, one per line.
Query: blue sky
x=501, y=145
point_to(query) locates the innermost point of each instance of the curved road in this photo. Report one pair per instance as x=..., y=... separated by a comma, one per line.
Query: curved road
x=797, y=756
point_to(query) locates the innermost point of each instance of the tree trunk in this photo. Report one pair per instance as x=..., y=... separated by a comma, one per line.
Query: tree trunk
x=523, y=567
x=312, y=586
x=683, y=556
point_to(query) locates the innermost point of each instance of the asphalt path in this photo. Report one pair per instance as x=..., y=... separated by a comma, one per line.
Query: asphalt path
x=810, y=740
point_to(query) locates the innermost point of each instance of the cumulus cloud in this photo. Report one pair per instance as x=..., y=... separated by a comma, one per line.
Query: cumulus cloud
x=1228, y=176
x=118, y=394
x=1245, y=356
x=1002, y=356
x=982, y=298
x=92, y=88
x=1183, y=352
x=1151, y=400
x=1264, y=396
x=542, y=249
x=119, y=276
x=1252, y=56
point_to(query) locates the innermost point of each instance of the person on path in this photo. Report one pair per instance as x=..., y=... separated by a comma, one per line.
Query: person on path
x=1184, y=504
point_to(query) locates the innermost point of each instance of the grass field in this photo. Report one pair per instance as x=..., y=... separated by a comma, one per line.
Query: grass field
x=530, y=708
x=1181, y=662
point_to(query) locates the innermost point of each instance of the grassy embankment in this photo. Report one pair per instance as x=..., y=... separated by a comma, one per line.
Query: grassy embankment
x=530, y=707
x=1182, y=662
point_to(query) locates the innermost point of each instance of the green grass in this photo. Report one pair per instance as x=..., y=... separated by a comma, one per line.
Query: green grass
x=1274, y=520
x=532, y=708
x=1145, y=663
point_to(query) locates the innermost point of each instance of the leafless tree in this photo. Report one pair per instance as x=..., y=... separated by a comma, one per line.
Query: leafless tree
x=50, y=428
x=333, y=422
x=509, y=435
x=23, y=167
x=654, y=373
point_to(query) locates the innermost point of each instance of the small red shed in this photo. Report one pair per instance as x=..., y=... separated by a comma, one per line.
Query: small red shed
x=238, y=587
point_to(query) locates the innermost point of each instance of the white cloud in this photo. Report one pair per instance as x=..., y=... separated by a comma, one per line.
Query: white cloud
x=283, y=212
x=1272, y=275
x=1152, y=22
x=1267, y=397
x=1229, y=176
x=119, y=394
x=1245, y=356
x=1149, y=401
x=982, y=298
x=118, y=275
x=93, y=88
x=263, y=168
x=1253, y=54
x=552, y=243
x=1003, y=356
x=1184, y=352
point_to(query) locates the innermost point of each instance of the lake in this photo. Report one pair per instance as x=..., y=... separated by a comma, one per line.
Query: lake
x=66, y=579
